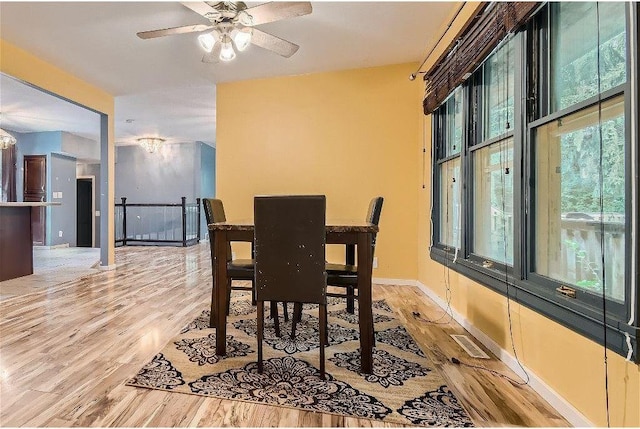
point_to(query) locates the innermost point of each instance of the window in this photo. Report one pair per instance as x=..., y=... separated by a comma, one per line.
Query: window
x=576, y=54
x=449, y=168
x=498, y=92
x=578, y=156
x=537, y=195
x=450, y=208
x=573, y=208
x=493, y=202
x=492, y=157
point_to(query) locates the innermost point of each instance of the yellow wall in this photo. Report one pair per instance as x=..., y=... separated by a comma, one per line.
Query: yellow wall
x=349, y=135
x=570, y=364
x=29, y=68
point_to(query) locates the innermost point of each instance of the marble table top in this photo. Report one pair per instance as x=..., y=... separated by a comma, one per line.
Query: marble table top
x=29, y=204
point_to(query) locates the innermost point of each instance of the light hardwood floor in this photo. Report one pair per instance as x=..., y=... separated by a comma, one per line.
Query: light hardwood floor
x=66, y=352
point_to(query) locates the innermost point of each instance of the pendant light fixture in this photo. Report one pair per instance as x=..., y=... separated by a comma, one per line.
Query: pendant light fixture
x=6, y=139
x=151, y=144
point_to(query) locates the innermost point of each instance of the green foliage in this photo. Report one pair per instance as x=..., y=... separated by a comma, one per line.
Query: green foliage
x=580, y=167
x=581, y=68
x=588, y=267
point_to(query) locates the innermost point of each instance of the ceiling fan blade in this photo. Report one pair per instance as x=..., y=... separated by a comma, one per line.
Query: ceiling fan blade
x=201, y=8
x=273, y=43
x=275, y=11
x=174, y=30
x=213, y=56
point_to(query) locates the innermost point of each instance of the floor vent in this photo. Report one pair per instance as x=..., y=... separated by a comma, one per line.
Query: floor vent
x=469, y=346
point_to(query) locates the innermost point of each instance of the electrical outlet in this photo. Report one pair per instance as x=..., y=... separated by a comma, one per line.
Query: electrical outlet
x=375, y=262
x=59, y=233
x=97, y=213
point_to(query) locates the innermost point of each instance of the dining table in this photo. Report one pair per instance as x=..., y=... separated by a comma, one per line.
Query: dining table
x=351, y=233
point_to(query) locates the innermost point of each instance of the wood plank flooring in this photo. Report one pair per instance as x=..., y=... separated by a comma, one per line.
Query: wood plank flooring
x=67, y=350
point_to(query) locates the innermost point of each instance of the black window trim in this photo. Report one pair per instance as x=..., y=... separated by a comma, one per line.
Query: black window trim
x=517, y=282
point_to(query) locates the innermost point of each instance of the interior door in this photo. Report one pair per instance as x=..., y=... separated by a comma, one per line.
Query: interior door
x=84, y=218
x=35, y=190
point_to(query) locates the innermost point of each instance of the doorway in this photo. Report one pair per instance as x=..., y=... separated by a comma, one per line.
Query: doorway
x=85, y=210
x=35, y=190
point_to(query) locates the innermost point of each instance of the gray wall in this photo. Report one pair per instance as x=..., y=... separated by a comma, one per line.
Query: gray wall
x=161, y=177
x=174, y=171
x=61, y=177
x=35, y=144
x=62, y=171
x=93, y=170
x=80, y=147
x=61, y=149
x=207, y=180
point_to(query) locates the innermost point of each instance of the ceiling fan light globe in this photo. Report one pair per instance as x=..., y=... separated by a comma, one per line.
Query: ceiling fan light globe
x=227, y=53
x=242, y=38
x=207, y=41
x=244, y=18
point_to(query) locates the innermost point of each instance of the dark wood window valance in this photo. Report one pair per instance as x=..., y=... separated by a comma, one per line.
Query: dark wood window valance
x=483, y=33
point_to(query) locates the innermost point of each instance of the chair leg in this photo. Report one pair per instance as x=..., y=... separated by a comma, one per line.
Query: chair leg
x=373, y=333
x=260, y=333
x=297, y=317
x=253, y=292
x=323, y=336
x=297, y=311
x=273, y=306
x=272, y=311
x=350, y=299
x=326, y=332
x=285, y=310
x=212, y=319
x=228, y=296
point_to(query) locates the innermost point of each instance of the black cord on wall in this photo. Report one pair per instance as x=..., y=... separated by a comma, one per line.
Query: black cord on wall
x=602, y=246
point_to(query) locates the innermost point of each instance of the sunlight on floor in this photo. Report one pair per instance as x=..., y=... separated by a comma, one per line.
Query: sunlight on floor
x=52, y=267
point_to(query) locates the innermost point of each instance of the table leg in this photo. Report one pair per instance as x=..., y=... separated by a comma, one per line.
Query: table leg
x=365, y=316
x=220, y=280
x=214, y=267
x=350, y=259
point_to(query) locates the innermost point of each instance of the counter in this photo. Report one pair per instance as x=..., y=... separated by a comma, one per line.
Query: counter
x=16, y=239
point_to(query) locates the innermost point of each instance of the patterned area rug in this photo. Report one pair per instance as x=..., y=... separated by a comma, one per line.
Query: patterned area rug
x=403, y=388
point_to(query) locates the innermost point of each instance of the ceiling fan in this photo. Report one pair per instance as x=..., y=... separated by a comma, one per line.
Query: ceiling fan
x=232, y=24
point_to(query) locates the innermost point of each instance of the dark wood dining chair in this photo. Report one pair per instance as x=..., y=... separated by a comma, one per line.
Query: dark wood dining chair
x=346, y=275
x=290, y=242
x=237, y=269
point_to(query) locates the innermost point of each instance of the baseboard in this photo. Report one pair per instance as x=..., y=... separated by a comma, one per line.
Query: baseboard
x=561, y=405
x=55, y=246
x=396, y=282
x=107, y=267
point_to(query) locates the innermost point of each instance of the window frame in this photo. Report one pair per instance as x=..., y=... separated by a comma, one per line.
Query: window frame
x=611, y=306
x=518, y=282
x=441, y=135
x=475, y=142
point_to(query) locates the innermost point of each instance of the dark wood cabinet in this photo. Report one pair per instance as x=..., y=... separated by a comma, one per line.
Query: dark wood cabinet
x=35, y=190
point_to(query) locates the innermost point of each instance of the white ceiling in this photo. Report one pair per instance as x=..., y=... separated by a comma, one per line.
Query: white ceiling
x=26, y=109
x=162, y=84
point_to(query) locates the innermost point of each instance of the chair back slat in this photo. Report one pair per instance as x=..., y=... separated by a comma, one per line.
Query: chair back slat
x=373, y=216
x=206, y=205
x=214, y=212
x=375, y=208
x=290, y=242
